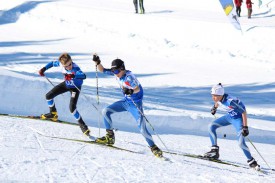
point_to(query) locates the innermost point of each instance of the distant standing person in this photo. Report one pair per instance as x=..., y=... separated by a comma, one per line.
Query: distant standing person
x=73, y=77
x=236, y=116
x=249, y=8
x=131, y=102
x=140, y=2
x=238, y=4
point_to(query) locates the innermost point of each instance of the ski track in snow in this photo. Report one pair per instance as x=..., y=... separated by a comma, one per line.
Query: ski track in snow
x=68, y=161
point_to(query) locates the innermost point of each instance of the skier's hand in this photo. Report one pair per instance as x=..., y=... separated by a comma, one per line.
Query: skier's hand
x=213, y=110
x=68, y=77
x=41, y=71
x=128, y=91
x=245, y=131
x=96, y=59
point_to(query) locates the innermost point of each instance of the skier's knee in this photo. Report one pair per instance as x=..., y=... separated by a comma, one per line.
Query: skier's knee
x=106, y=111
x=49, y=96
x=211, y=127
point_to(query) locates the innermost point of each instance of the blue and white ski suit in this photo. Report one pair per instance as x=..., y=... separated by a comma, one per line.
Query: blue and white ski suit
x=234, y=108
x=67, y=86
x=126, y=104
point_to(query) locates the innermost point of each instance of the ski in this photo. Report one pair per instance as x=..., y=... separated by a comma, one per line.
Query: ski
x=92, y=141
x=203, y=158
x=38, y=118
x=215, y=161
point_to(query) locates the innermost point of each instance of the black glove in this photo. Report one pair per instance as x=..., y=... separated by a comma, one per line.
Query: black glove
x=96, y=59
x=128, y=91
x=41, y=71
x=245, y=131
x=214, y=110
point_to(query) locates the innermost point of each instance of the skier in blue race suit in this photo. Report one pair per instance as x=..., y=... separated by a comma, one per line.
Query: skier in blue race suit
x=132, y=102
x=73, y=81
x=236, y=116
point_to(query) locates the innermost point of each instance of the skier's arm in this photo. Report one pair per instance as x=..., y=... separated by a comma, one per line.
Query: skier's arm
x=131, y=85
x=80, y=75
x=136, y=89
x=100, y=67
x=48, y=66
x=244, y=116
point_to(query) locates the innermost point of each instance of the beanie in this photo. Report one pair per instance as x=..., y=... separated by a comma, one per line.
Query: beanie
x=217, y=90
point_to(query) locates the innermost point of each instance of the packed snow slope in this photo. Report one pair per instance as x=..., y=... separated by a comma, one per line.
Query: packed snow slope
x=178, y=50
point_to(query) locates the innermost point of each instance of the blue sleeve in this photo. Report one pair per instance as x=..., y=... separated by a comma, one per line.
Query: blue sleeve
x=108, y=71
x=131, y=82
x=52, y=64
x=80, y=75
x=239, y=107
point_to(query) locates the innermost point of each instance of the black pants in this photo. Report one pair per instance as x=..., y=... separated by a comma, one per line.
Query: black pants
x=249, y=13
x=62, y=88
x=142, y=10
x=238, y=11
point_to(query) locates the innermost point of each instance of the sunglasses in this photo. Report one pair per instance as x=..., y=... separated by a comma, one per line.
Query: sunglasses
x=116, y=71
x=68, y=65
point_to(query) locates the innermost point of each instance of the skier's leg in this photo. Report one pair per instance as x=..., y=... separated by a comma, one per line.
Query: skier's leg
x=73, y=102
x=136, y=5
x=57, y=90
x=212, y=127
x=238, y=11
x=249, y=13
x=214, y=152
x=109, y=138
x=142, y=10
x=237, y=123
x=108, y=111
x=140, y=121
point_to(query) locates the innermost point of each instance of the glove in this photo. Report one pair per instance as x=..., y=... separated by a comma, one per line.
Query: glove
x=96, y=59
x=41, y=71
x=128, y=91
x=213, y=110
x=68, y=77
x=245, y=131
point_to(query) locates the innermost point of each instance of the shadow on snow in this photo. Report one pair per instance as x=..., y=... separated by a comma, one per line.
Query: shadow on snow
x=12, y=15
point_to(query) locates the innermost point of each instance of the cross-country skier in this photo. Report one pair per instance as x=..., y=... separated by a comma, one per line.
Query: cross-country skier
x=132, y=102
x=236, y=116
x=73, y=78
x=238, y=4
x=249, y=8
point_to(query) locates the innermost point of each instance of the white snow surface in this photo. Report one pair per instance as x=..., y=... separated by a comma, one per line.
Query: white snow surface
x=178, y=50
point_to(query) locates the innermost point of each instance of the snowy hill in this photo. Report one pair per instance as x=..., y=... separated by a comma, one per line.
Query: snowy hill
x=177, y=50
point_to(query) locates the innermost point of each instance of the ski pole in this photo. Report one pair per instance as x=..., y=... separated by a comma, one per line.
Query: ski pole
x=97, y=97
x=259, y=153
x=49, y=81
x=149, y=124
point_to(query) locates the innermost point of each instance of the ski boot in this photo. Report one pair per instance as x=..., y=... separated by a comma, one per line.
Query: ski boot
x=253, y=164
x=85, y=129
x=108, y=139
x=50, y=116
x=156, y=151
x=213, y=154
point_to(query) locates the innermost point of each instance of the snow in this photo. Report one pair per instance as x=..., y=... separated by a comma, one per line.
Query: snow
x=177, y=50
